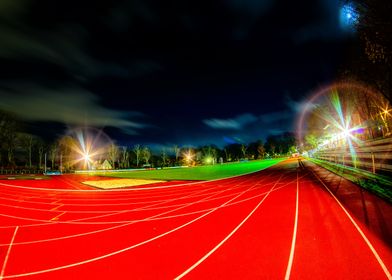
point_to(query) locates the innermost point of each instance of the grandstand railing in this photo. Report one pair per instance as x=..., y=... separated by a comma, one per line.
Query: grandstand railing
x=374, y=156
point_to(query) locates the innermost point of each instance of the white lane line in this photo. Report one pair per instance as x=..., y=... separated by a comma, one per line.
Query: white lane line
x=292, y=250
x=130, y=247
x=137, y=188
x=57, y=217
x=228, y=236
x=152, y=203
x=53, y=209
x=8, y=254
x=218, y=186
x=146, y=188
x=376, y=255
x=78, y=221
x=152, y=218
x=56, y=202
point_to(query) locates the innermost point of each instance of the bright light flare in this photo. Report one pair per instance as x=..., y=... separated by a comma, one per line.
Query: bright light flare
x=87, y=146
x=341, y=117
x=208, y=160
x=86, y=157
x=189, y=156
x=385, y=112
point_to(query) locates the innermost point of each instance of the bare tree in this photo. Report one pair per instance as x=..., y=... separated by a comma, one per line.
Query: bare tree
x=243, y=149
x=124, y=157
x=27, y=141
x=113, y=154
x=227, y=154
x=146, y=154
x=137, y=149
x=41, y=152
x=67, y=150
x=8, y=135
x=261, y=150
x=53, y=153
x=164, y=156
x=177, y=151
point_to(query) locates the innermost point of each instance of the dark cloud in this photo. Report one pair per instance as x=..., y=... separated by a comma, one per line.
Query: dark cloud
x=11, y=9
x=235, y=123
x=276, y=116
x=191, y=67
x=70, y=106
x=250, y=7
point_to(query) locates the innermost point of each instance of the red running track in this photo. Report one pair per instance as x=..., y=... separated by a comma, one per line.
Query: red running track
x=279, y=223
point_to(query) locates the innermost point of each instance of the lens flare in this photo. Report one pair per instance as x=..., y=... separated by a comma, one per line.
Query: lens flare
x=86, y=157
x=85, y=148
x=341, y=119
x=189, y=156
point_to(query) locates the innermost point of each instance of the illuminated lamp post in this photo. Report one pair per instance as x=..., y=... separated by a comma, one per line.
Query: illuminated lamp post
x=189, y=157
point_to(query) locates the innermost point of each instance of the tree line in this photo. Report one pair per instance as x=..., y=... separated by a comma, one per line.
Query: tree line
x=20, y=150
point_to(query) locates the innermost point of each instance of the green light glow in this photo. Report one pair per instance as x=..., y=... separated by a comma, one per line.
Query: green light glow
x=208, y=160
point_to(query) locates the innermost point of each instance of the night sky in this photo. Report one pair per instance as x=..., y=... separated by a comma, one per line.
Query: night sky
x=167, y=72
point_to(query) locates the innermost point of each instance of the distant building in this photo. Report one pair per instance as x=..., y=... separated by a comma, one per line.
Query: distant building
x=104, y=165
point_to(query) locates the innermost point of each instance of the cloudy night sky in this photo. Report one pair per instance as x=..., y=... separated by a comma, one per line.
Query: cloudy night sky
x=167, y=72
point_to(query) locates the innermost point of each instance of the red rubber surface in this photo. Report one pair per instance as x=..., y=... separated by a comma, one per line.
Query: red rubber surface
x=237, y=228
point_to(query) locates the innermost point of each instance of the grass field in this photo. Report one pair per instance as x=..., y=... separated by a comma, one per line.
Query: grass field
x=197, y=173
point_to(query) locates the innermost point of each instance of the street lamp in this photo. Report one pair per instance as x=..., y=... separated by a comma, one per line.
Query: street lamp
x=189, y=155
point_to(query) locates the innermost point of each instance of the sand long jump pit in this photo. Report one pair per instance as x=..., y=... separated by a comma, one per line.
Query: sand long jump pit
x=120, y=183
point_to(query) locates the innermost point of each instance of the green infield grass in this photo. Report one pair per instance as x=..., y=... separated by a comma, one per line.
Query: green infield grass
x=209, y=172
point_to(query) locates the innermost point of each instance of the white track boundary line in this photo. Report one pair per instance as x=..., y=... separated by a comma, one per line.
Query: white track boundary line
x=8, y=254
x=214, y=189
x=142, y=188
x=77, y=221
x=81, y=221
x=127, y=248
x=376, y=255
x=228, y=236
x=292, y=250
x=152, y=218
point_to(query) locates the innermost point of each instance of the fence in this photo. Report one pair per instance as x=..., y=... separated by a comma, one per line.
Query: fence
x=374, y=156
x=21, y=171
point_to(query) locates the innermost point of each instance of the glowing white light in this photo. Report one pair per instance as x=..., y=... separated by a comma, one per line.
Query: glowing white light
x=346, y=133
x=86, y=157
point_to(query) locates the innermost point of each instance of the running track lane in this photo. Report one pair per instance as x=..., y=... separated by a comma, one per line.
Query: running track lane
x=275, y=224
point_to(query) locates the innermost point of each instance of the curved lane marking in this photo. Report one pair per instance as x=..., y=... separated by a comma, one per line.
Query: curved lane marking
x=8, y=254
x=376, y=255
x=228, y=236
x=292, y=250
x=127, y=248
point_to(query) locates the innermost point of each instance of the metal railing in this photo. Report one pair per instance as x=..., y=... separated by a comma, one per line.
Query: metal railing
x=374, y=156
